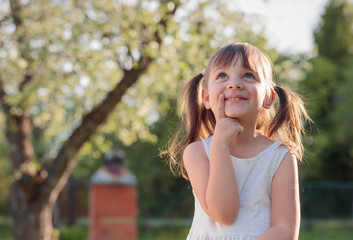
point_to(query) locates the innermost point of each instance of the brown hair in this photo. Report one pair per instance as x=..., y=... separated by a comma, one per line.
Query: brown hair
x=199, y=122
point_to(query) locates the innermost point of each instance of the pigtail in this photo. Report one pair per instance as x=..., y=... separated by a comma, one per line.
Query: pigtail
x=287, y=124
x=193, y=109
x=190, y=126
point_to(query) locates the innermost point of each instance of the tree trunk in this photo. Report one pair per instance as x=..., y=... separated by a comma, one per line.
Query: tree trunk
x=72, y=194
x=32, y=220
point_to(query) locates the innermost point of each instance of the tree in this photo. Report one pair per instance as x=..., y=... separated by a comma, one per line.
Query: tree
x=40, y=38
x=328, y=87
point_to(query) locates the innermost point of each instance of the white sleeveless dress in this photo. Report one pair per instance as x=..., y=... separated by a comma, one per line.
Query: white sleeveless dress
x=254, y=177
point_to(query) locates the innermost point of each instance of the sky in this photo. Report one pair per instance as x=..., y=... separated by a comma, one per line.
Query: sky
x=289, y=24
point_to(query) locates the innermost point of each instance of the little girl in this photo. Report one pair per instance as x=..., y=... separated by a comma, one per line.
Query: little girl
x=243, y=171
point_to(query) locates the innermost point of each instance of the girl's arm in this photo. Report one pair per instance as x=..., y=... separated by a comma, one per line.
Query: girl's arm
x=285, y=205
x=213, y=180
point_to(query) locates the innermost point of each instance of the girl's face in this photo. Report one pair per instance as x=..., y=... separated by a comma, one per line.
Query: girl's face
x=244, y=91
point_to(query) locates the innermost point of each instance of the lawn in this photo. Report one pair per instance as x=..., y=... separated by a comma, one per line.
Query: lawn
x=327, y=233
x=315, y=233
x=335, y=232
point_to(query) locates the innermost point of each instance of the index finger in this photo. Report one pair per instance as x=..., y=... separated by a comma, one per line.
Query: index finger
x=221, y=110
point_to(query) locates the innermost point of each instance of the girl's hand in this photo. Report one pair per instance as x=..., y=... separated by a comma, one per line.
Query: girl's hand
x=226, y=128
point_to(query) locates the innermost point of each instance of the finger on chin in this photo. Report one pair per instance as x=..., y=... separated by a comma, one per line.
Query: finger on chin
x=221, y=109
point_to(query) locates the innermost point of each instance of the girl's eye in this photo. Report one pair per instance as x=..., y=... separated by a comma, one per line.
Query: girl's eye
x=249, y=76
x=222, y=76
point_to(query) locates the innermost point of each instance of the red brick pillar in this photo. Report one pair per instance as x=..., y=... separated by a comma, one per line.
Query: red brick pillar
x=113, y=202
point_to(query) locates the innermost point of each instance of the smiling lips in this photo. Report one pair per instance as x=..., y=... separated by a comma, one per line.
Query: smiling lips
x=235, y=98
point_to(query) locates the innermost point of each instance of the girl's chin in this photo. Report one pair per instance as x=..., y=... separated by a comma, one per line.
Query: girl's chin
x=234, y=116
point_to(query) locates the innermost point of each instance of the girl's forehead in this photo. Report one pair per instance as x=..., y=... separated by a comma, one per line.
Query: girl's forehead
x=231, y=57
x=228, y=60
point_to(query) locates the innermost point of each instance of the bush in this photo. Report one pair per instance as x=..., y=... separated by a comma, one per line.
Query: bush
x=73, y=233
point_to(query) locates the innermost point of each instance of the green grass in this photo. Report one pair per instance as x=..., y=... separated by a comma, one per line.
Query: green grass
x=315, y=233
x=327, y=232
x=5, y=229
x=164, y=233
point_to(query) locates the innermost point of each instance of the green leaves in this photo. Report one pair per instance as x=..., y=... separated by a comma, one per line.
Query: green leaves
x=328, y=87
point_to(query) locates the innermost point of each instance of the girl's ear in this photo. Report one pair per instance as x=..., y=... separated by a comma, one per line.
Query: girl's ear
x=269, y=99
x=206, y=98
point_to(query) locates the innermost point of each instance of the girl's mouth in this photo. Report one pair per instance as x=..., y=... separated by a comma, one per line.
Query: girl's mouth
x=235, y=98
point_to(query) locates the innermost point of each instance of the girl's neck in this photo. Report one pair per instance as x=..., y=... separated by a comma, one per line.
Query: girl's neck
x=246, y=136
x=249, y=142
x=249, y=132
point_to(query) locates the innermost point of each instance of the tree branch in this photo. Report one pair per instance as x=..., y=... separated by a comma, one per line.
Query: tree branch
x=5, y=106
x=66, y=159
x=16, y=10
x=15, y=7
x=61, y=167
x=18, y=130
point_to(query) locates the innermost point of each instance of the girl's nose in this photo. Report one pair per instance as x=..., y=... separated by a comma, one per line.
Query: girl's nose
x=235, y=83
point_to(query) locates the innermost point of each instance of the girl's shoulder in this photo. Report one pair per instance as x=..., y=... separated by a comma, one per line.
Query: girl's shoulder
x=194, y=152
x=194, y=147
x=265, y=144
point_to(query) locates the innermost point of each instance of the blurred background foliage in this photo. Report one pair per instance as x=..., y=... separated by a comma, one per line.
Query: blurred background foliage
x=77, y=64
x=328, y=87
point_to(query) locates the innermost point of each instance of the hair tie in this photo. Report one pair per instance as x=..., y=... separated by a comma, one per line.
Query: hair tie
x=203, y=72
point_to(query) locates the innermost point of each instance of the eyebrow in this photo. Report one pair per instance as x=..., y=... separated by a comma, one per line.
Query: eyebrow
x=243, y=68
